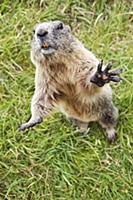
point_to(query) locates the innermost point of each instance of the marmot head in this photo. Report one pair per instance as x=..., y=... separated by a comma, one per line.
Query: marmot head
x=51, y=37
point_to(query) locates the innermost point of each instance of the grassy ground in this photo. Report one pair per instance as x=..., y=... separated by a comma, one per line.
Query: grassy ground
x=51, y=161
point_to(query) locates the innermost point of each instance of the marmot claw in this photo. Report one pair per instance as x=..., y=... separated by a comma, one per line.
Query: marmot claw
x=101, y=77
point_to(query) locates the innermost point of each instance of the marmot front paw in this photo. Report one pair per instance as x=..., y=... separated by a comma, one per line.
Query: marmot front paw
x=100, y=78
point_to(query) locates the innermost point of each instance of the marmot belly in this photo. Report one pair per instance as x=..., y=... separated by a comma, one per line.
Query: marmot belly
x=78, y=110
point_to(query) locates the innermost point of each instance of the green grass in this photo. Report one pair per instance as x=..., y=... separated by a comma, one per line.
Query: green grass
x=52, y=161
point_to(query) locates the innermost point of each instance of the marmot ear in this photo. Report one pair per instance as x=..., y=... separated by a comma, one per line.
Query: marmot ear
x=68, y=28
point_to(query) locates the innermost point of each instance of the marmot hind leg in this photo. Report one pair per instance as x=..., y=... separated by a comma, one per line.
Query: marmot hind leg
x=108, y=121
x=81, y=126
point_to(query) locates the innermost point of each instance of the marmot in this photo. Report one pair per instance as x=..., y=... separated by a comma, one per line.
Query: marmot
x=70, y=79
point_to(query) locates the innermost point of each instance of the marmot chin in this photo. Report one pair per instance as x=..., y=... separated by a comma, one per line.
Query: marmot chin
x=70, y=79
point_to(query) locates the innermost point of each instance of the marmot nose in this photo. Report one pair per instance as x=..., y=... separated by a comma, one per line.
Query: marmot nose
x=42, y=34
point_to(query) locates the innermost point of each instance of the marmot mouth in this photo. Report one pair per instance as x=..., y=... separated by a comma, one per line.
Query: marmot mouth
x=45, y=45
x=47, y=50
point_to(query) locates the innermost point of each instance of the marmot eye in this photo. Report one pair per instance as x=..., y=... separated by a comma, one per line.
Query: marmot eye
x=60, y=26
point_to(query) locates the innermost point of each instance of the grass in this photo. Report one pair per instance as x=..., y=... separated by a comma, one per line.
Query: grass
x=51, y=161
